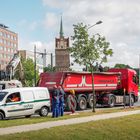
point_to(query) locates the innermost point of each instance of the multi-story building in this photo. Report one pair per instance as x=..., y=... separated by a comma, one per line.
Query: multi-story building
x=62, y=58
x=8, y=45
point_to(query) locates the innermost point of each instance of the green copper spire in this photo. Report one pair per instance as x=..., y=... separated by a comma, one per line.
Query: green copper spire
x=61, y=29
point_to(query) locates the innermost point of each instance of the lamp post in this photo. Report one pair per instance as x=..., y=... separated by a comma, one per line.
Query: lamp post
x=92, y=75
x=99, y=22
x=35, y=65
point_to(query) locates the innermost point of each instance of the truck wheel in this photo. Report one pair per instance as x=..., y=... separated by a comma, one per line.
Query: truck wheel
x=82, y=104
x=43, y=111
x=132, y=101
x=90, y=101
x=112, y=101
x=1, y=116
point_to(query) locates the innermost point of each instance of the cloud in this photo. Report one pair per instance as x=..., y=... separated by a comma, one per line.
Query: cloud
x=125, y=55
x=120, y=23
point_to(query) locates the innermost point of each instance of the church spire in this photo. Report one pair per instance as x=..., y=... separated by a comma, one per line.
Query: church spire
x=61, y=29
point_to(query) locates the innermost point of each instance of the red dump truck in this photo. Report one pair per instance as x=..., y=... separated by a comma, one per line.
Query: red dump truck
x=109, y=86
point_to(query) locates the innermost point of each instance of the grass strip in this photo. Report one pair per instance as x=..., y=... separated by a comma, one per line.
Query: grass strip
x=38, y=119
x=123, y=128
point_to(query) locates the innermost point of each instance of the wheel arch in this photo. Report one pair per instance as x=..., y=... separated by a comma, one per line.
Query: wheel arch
x=3, y=112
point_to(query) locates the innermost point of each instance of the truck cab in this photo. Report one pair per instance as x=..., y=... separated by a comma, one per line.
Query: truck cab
x=129, y=81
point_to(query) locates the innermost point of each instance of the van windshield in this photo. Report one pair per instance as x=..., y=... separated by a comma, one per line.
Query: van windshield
x=2, y=95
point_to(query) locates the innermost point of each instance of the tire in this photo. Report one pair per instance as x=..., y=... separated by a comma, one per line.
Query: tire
x=1, y=116
x=27, y=116
x=112, y=101
x=82, y=104
x=44, y=111
x=132, y=101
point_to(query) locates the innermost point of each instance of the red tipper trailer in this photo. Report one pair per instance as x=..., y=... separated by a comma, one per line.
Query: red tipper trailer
x=109, y=86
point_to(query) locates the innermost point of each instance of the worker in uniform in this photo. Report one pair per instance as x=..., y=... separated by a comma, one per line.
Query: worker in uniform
x=55, y=102
x=61, y=101
x=15, y=98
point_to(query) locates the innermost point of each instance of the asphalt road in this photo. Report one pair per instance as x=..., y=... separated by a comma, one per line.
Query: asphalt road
x=137, y=103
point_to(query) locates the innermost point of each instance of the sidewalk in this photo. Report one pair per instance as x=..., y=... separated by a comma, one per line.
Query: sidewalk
x=31, y=127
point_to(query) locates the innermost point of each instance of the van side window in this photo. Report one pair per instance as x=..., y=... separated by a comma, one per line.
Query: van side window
x=41, y=94
x=14, y=97
x=28, y=96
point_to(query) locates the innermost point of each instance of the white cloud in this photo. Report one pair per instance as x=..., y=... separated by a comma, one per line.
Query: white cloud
x=50, y=20
x=120, y=24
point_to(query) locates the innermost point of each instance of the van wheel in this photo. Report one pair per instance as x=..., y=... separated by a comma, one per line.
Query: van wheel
x=27, y=116
x=1, y=116
x=43, y=111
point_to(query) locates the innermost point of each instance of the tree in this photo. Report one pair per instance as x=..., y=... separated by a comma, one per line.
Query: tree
x=29, y=72
x=88, y=50
x=49, y=69
x=122, y=66
x=28, y=69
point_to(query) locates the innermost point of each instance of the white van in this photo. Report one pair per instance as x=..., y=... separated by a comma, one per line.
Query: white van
x=24, y=102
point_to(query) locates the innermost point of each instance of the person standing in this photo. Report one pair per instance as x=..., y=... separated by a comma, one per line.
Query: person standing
x=55, y=102
x=61, y=101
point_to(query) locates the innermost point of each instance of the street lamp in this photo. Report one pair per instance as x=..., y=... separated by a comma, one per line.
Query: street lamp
x=99, y=22
x=35, y=65
x=92, y=75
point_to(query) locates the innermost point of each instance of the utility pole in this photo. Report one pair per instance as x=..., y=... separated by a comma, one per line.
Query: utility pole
x=35, y=65
x=44, y=58
x=139, y=73
x=51, y=61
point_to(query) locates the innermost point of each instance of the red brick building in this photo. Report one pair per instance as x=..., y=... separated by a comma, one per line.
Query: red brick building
x=62, y=59
x=8, y=45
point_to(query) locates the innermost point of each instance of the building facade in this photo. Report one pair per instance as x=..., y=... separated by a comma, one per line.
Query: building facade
x=62, y=59
x=8, y=45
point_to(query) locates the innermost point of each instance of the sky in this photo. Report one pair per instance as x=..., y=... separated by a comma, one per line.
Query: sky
x=37, y=22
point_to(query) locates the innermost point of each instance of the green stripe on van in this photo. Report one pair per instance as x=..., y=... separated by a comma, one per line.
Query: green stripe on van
x=15, y=103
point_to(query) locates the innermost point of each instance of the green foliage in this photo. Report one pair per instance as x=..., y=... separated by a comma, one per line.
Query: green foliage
x=122, y=66
x=88, y=50
x=49, y=69
x=28, y=66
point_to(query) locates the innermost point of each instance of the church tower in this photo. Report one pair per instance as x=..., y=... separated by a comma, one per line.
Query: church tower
x=62, y=59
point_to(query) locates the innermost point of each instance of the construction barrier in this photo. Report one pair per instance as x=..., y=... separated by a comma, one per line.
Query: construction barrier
x=71, y=103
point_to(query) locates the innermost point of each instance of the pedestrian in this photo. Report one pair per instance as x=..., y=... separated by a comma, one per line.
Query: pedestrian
x=55, y=102
x=61, y=101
